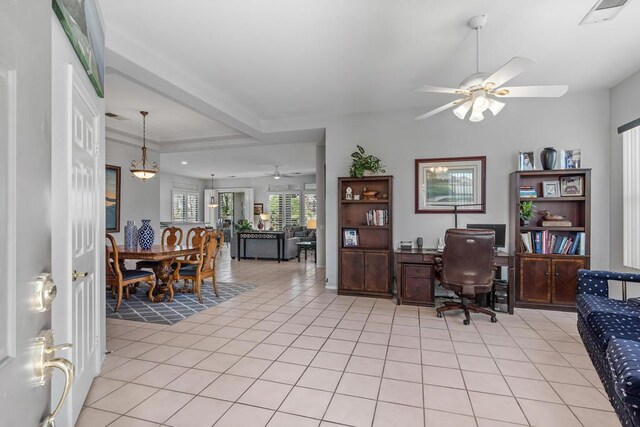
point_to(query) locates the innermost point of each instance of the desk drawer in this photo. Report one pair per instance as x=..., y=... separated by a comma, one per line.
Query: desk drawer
x=418, y=271
x=417, y=290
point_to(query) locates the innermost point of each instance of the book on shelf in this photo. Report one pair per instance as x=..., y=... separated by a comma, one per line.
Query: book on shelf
x=546, y=242
x=378, y=217
x=556, y=223
x=528, y=192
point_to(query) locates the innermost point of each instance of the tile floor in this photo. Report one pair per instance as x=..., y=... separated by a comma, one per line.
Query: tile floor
x=289, y=353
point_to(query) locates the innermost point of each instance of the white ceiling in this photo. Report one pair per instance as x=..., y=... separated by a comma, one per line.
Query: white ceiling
x=287, y=59
x=168, y=121
x=243, y=162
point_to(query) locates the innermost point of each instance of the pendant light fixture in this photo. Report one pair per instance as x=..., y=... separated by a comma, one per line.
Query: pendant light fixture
x=212, y=201
x=141, y=169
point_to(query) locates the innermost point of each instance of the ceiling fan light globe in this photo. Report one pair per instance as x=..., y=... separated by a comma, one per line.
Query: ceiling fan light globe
x=462, y=110
x=276, y=177
x=476, y=116
x=495, y=106
x=480, y=103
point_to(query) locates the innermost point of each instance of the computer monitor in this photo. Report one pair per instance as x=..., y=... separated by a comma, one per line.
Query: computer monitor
x=500, y=230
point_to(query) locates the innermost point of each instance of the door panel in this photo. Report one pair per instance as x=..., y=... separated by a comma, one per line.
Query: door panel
x=376, y=272
x=25, y=200
x=565, y=280
x=352, y=271
x=534, y=280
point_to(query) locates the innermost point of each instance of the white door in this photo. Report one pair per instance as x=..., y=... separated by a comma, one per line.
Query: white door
x=25, y=206
x=78, y=249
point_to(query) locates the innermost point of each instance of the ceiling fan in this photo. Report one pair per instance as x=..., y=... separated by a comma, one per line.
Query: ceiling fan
x=480, y=91
x=277, y=175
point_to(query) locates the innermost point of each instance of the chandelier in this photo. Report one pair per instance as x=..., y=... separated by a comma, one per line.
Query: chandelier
x=142, y=169
x=212, y=200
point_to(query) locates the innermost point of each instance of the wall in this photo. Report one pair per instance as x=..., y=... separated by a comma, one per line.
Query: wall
x=625, y=107
x=138, y=199
x=578, y=120
x=169, y=181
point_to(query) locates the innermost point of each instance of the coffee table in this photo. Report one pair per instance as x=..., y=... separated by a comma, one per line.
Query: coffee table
x=306, y=247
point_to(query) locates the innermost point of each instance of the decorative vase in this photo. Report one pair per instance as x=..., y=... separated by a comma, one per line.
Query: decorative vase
x=146, y=235
x=368, y=172
x=130, y=236
x=524, y=222
x=548, y=158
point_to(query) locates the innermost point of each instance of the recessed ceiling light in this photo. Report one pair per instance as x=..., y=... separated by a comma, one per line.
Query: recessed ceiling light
x=184, y=163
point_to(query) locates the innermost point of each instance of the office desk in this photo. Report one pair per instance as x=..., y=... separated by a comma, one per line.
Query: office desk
x=415, y=275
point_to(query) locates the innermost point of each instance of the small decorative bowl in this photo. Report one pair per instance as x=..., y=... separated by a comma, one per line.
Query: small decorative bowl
x=370, y=195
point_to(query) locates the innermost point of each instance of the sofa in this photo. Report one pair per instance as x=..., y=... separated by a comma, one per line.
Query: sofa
x=610, y=330
x=267, y=248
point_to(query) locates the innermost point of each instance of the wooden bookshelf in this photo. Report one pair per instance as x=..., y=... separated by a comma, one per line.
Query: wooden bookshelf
x=368, y=268
x=548, y=280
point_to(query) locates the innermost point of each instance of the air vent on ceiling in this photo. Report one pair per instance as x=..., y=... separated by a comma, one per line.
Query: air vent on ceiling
x=115, y=116
x=604, y=10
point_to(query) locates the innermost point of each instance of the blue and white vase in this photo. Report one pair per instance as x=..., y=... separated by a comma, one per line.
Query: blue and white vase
x=146, y=235
x=131, y=236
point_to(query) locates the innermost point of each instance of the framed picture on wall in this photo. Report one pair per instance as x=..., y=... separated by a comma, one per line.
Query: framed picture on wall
x=258, y=208
x=112, y=198
x=447, y=185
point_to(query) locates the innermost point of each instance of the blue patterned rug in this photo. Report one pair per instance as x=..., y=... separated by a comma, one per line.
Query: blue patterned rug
x=138, y=307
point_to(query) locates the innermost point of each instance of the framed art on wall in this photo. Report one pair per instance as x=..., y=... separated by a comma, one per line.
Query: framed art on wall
x=450, y=184
x=80, y=20
x=258, y=208
x=112, y=198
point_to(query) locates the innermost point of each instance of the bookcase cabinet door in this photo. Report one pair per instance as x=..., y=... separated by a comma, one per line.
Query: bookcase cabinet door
x=352, y=272
x=376, y=271
x=565, y=280
x=535, y=285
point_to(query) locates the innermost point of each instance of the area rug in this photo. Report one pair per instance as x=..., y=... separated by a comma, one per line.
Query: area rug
x=138, y=307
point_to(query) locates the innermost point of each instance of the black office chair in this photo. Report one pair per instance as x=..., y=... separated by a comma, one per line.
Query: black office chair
x=466, y=268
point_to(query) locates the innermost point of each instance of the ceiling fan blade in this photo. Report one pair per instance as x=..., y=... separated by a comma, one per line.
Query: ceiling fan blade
x=508, y=71
x=555, y=91
x=438, y=89
x=440, y=109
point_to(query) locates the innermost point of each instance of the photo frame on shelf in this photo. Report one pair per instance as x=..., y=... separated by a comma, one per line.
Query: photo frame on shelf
x=571, y=159
x=526, y=161
x=258, y=208
x=550, y=189
x=448, y=185
x=112, y=198
x=571, y=186
x=350, y=238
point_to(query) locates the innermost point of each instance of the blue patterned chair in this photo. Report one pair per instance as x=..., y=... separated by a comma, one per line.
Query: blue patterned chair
x=610, y=330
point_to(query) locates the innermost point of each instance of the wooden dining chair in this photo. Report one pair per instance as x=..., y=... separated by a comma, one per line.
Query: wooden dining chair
x=203, y=267
x=119, y=278
x=171, y=236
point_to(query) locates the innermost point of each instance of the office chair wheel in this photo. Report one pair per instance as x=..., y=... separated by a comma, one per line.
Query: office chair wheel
x=439, y=315
x=494, y=320
x=466, y=321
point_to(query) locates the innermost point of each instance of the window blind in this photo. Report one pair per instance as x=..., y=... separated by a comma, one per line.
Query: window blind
x=185, y=205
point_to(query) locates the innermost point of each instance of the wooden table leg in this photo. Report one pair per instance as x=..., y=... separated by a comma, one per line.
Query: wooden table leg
x=164, y=279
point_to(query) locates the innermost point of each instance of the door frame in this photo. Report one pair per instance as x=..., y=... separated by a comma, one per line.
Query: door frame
x=62, y=269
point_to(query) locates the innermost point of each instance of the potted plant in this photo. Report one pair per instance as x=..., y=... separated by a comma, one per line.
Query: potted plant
x=243, y=225
x=527, y=211
x=364, y=165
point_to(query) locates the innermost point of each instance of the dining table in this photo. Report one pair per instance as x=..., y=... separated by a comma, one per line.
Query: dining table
x=166, y=255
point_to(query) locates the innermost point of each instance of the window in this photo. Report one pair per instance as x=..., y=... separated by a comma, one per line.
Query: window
x=225, y=203
x=292, y=209
x=310, y=206
x=185, y=205
x=284, y=209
